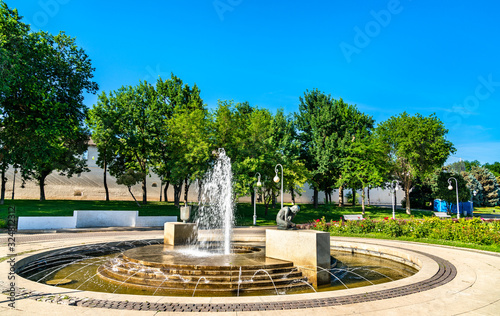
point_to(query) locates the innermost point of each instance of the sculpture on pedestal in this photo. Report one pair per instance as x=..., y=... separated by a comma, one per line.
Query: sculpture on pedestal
x=285, y=217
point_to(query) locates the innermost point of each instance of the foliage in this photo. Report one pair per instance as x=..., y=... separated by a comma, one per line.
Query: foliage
x=442, y=180
x=422, y=196
x=491, y=189
x=417, y=146
x=42, y=99
x=129, y=179
x=494, y=168
x=467, y=230
x=327, y=128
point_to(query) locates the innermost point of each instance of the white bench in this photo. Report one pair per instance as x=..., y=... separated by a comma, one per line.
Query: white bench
x=356, y=217
x=441, y=215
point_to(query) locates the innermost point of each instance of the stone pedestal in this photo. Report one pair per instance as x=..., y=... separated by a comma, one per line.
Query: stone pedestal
x=308, y=250
x=180, y=233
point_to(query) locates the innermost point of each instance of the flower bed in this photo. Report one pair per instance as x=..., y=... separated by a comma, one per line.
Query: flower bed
x=468, y=230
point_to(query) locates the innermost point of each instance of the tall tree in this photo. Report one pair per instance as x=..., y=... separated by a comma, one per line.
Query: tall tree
x=365, y=165
x=417, y=145
x=42, y=99
x=103, y=121
x=327, y=127
x=491, y=189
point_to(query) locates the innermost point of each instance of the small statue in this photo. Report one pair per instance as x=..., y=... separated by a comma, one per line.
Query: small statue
x=285, y=217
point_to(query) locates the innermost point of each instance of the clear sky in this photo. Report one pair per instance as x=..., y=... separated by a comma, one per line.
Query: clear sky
x=386, y=57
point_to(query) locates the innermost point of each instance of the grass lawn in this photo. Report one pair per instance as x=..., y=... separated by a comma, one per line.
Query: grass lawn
x=243, y=214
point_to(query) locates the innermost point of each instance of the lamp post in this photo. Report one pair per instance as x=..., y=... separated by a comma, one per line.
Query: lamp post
x=14, y=184
x=277, y=179
x=472, y=195
x=255, y=200
x=394, y=186
x=450, y=187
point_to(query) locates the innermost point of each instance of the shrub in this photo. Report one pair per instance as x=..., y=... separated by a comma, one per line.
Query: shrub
x=468, y=230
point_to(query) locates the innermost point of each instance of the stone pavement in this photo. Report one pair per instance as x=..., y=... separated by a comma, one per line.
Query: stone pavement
x=452, y=281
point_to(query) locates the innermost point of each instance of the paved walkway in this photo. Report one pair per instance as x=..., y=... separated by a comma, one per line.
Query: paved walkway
x=452, y=281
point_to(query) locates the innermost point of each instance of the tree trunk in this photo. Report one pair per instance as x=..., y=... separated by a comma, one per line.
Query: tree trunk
x=129, y=190
x=186, y=190
x=407, y=197
x=315, y=198
x=200, y=188
x=177, y=194
x=144, y=191
x=292, y=192
x=41, y=182
x=252, y=197
x=274, y=201
x=363, y=201
x=105, y=180
x=341, y=196
x=368, y=195
x=2, y=197
x=165, y=189
x=353, y=197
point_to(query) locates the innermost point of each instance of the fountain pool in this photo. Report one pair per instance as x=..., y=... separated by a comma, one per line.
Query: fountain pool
x=150, y=268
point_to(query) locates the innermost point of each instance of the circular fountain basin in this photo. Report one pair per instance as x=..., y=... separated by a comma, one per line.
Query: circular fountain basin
x=180, y=271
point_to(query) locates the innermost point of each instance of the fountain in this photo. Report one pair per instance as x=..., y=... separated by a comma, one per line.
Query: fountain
x=184, y=266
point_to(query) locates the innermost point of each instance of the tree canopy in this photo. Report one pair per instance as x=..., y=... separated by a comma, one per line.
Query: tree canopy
x=41, y=97
x=416, y=145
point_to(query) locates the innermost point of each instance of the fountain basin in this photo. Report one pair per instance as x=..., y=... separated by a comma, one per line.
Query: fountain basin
x=227, y=273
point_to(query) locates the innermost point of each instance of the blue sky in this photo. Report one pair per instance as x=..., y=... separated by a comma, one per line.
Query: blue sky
x=386, y=57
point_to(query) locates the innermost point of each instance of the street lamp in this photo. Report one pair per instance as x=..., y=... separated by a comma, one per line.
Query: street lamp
x=472, y=194
x=255, y=200
x=14, y=184
x=450, y=187
x=394, y=186
x=277, y=179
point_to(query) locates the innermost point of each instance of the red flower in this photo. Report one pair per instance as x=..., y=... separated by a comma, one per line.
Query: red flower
x=317, y=221
x=386, y=218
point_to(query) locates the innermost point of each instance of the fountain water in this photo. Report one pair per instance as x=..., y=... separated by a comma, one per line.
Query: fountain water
x=216, y=209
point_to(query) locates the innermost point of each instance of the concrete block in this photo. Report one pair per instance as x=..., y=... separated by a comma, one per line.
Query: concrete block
x=154, y=221
x=105, y=218
x=180, y=233
x=308, y=250
x=46, y=222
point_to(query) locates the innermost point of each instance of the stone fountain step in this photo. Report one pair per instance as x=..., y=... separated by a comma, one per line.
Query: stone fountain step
x=189, y=287
x=212, y=275
x=190, y=281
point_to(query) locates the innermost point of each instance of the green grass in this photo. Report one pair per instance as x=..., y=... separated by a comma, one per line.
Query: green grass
x=66, y=207
x=308, y=213
x=243, y=214
x=487, y=210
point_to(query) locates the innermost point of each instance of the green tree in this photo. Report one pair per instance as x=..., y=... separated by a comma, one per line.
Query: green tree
x=326, y=130
x=491, y=189
x=103, y=122
x=417, y=146
x=130, y=178
x=42, y=99
x=365, y=165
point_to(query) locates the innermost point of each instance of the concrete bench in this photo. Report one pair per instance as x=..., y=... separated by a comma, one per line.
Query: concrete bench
x=85, y=219
x=441, y=215
x=356, y=217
